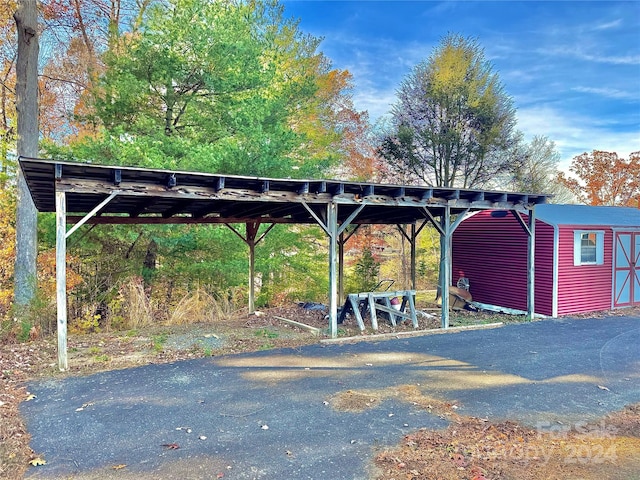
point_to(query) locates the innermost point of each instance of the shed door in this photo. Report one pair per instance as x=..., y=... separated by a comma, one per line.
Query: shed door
x=626, y=273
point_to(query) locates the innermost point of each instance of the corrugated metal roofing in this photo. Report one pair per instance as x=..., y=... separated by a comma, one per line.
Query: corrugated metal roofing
x=588, y=215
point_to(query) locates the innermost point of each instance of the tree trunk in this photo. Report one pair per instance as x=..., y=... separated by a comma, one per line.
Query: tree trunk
x=26, y=19
x=149, y=266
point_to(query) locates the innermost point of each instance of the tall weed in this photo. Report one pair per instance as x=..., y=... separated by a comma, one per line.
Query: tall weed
x=200, y=306
x=133, y=308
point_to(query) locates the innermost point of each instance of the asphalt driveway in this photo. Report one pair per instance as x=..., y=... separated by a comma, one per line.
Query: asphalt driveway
x=268, y=415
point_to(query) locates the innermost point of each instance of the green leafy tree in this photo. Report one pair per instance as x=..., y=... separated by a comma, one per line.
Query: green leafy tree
x=366, y=271
x=208, y=97
x=241, y=91
x=451, y=119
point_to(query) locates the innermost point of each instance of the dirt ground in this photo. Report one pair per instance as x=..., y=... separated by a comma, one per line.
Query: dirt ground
x=470, y=448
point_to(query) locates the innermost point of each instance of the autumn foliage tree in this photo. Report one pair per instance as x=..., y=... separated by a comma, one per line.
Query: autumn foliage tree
x=451, y=120
x=603, y=178
x=8, y=54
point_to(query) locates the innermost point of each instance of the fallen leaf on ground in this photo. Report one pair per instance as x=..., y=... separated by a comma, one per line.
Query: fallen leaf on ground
x=119, y=467
x=459, y=460
x=171, y=446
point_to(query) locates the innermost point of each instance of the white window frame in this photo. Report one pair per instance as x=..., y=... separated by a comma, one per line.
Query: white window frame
x=577, y=247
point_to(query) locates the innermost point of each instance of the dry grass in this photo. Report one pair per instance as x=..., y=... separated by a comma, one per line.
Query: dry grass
x=196, y=307
x=137, y=306
x=137, y=309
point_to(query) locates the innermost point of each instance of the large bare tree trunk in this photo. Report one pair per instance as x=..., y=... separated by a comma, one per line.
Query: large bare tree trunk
x=26, y=18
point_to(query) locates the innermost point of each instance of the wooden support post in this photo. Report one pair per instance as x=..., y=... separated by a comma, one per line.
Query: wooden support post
x=252, y=277
x=61, y=278
x=341, y=242
x=529, y=228
x=332, y=232
x=413, y=257
x=251, y=231
x=445, y=264
x=531, y=271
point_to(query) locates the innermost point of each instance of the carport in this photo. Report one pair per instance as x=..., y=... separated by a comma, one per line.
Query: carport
x=83, y=193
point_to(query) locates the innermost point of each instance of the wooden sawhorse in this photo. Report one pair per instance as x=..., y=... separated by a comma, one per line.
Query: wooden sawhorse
x=358, y=303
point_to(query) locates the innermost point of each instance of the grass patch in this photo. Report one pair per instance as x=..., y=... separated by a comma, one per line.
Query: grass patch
x=266, y=333
x=158, y=341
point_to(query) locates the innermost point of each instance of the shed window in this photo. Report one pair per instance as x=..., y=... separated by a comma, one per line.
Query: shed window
x=588, y=248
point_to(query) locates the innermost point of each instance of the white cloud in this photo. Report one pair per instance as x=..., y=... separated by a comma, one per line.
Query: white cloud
x=609, y=25
x=575, y=134
x=376, y=102
x=608, y=92
x=611, y=59
x=575, y=51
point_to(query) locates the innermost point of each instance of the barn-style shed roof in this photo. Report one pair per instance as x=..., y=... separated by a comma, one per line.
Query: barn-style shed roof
x=558, y=215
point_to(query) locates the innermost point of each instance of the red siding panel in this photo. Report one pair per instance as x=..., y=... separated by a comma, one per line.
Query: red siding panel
x=544, y=256
x=583, y=288
x=492, y=252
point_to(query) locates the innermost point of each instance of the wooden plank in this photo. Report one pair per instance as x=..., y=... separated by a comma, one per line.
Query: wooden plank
x=355, y=306
x=391, y=311
x=372, y=311
x=91, y=213
x=412, y=309
x=189, y=192
x=412, y=333
x=182, y=220
x=192, y=192
x=396, y=293
x=314, y=330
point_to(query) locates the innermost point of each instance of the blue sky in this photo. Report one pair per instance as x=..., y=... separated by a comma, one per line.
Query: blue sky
x=571, y=67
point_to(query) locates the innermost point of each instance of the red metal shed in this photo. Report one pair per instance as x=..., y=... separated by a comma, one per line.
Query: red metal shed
x=586, y=258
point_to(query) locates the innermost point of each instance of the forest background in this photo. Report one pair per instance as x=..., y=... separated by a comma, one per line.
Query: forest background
x=235, y=87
